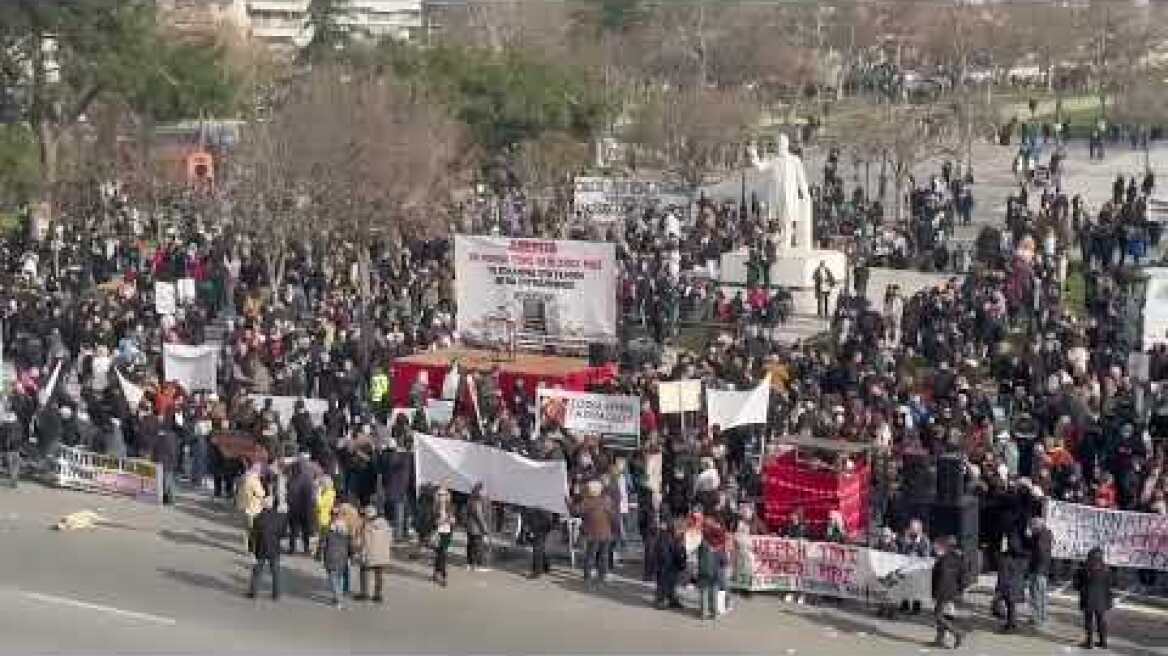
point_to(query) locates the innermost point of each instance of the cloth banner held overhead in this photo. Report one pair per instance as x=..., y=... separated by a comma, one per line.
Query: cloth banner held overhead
x=285, y=407
x=551, y=289
x=767, y=563
x=618, y=417
x=1128, y=539
x=679, y=396
x=193, y=367
x=506, y=477
x=731, y=409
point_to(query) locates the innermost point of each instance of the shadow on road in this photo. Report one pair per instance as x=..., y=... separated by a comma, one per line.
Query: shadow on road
x=293, y=583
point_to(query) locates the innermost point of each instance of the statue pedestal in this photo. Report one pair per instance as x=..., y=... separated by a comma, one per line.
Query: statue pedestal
x=793, y=269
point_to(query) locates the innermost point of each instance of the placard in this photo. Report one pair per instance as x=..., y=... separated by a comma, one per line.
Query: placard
x=611, y=199
x=193, y=367
x=616, y=418
x=679, y=396
x=165, y=298
x=554, y=290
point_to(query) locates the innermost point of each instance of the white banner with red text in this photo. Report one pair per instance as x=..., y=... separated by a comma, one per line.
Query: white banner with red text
x=767, y=563
x=558, y=290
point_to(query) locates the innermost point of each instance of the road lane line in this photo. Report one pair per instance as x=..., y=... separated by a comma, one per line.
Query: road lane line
x=65, y=601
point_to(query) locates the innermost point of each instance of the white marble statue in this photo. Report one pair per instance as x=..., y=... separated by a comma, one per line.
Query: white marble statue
x=782, y=187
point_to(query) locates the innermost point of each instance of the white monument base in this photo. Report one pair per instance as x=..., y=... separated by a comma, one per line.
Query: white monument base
x=793, y=269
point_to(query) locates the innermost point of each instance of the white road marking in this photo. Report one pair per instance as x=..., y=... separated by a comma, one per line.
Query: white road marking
x=65, y=601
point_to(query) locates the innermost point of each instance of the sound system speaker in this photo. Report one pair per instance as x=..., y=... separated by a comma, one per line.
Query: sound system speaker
x=599, y=354
x=960, y=520
x=950, y=478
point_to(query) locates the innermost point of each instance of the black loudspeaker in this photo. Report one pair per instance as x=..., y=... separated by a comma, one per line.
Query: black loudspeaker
x=599, y=354
x=958, y=519
x=950, y=479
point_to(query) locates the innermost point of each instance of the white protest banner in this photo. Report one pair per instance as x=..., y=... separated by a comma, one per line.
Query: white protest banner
x=731, y=409
x=131, y=392
x=285, y=407
x=609, y=199
x=616, y=417
x=506, y=477
x=165, y=298
x=767, y=563
x=551, y=289
x=86, y=470
x=679, y=396
x=1128, y=539
x=193, y=367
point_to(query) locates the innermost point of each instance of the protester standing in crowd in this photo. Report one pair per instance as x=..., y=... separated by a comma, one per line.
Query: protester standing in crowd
x=949, y=580
x=266, y=530
x=337, y=550
x=443, y=514
x=374, y=553
x=1094, y=583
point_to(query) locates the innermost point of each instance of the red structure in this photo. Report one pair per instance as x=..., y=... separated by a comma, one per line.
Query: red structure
x=790, y=483
x=571, y=373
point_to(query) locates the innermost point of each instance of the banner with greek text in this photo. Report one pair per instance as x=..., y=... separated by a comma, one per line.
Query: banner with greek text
x=611, y=199
x=87, y=470
x=617, y=418
x=1128, y=539
x=535, y=289
x=766, y=563
x=193, y=367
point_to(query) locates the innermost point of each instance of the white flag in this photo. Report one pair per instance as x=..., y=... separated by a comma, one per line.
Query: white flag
x=46, y=392
x=730, y=409
x=132, y=393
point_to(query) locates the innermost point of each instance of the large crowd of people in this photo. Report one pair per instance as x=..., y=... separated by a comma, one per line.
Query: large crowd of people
x=996, y=368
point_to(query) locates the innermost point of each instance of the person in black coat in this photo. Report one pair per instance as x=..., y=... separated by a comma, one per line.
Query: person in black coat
x=165, y=453
x=265, y=539
x=949, y=580
x=397, y=479
x=539, y=524
x=1094, y=582
x=301, y=505
x=49, y=428
x=670, y=557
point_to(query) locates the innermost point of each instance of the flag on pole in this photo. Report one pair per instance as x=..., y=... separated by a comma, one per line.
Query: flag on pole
x=46, y=392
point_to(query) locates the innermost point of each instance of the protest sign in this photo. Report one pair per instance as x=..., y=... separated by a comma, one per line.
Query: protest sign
x=731, y=409
x=768, y=563
x=617, y=418
x=439, y=411
x=193, y=367
x=1128, y=539
x=185, y=291
x=679, y=396
x=45, y=394
x=610, y=199
x=506, y=477
x=285, y=407
x=562, y=290
x=87, y=470
x=165, y=298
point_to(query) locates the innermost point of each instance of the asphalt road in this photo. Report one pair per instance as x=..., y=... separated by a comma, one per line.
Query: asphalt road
x=172, y=579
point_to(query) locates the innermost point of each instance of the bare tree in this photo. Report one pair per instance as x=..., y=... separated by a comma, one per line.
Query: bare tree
x=377, y=157
x=688, y=131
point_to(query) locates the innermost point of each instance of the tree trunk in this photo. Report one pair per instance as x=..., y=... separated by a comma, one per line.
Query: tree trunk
x=48, y=143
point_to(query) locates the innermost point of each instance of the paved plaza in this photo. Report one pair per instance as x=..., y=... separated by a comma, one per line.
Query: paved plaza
x=171, y=579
